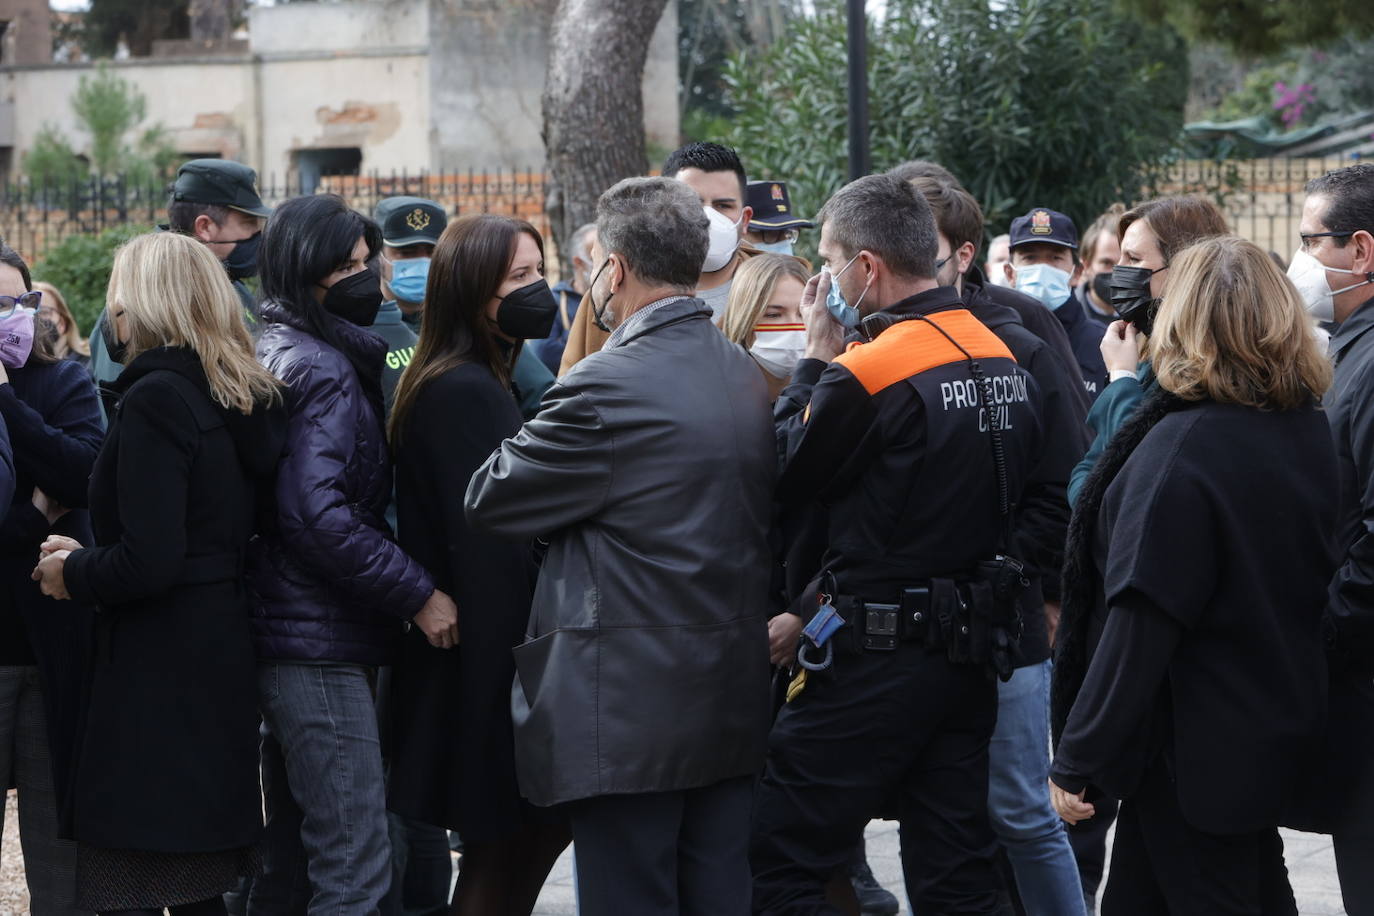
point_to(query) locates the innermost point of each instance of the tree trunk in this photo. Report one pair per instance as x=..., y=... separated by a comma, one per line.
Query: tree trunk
x=594, y=105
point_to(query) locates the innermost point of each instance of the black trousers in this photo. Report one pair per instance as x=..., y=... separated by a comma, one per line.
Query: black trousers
x=1089, y=841
x=881, y=731
x=1355, y=869
x=664, y=853
x=1162, y=865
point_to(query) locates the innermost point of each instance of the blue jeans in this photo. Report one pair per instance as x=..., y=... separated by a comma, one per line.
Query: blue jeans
x=320, y=731
x=1019, y=798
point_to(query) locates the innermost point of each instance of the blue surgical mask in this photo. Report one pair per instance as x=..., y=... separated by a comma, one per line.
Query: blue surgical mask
x=409, y=278
x=781, y=247
x=1048, y=284
x=846, y=314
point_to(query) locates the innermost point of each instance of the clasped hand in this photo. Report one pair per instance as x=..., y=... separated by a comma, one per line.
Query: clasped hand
x=52, y=561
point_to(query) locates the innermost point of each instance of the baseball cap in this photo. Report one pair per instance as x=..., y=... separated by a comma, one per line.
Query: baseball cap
x=1043, y=225
x=772, y=207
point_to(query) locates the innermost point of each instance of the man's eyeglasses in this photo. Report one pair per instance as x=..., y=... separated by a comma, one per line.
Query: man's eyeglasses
x=28, y=301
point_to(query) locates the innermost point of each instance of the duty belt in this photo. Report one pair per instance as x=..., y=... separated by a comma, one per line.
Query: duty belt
x=918, y=615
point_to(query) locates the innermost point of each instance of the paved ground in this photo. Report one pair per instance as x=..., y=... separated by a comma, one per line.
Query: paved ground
x=1310, y=865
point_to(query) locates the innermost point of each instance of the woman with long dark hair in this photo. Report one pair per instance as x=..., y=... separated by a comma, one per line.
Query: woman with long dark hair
x=453, y=755
x=332, y=592
x=50, y=410
x=165, y=803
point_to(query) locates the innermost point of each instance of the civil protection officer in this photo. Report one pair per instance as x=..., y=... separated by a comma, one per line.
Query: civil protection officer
x=216, y=202
x=917, y=440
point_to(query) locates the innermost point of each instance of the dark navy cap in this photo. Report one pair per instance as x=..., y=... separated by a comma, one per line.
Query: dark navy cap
x=410, y=221
x=221, y=182
x=772, y=207
x=1042, y=225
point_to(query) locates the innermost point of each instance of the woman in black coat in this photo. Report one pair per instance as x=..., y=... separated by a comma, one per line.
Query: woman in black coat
x=1209, y=520
x=166, y=801
x=452, y=750
x=50, y=411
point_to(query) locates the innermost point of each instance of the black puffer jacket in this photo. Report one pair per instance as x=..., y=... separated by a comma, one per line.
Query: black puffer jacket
x=328, y=581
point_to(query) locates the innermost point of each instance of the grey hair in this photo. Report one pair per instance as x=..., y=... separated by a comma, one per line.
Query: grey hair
x=886, y=216
x=658, y=226
x=581, y=242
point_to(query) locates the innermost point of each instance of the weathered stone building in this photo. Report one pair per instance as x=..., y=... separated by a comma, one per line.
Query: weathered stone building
x=436, y=85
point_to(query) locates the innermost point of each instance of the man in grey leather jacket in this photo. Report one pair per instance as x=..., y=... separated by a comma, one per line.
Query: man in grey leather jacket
x=641, y=694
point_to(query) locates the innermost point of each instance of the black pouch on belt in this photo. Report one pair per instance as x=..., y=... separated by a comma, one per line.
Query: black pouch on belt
x=980, y=622
x=950, y=611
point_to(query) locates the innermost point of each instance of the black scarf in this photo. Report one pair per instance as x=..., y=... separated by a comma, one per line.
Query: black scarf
x=1082, y=582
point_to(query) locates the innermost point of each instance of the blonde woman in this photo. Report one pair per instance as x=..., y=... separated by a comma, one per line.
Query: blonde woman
x=1205, y=689
x=69, y=343
x=763, y=315
x=165, y=803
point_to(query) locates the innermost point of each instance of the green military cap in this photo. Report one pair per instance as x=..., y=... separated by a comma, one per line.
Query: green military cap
x=410, y=221
x=221, y=182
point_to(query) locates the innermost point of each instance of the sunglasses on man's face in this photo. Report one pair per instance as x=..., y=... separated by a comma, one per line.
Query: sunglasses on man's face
x=29, y=301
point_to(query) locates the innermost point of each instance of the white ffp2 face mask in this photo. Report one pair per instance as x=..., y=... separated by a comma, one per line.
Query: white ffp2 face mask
x=1309, y=276
x=779, y=347
x=724, y=237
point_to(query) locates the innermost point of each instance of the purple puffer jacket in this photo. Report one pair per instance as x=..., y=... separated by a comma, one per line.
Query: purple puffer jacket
x=328, y=581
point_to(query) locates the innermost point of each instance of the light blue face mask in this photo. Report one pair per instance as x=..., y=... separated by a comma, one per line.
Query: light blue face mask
x=781, y=247
x=846, y=314
x=409, y=278
x=1049, y=285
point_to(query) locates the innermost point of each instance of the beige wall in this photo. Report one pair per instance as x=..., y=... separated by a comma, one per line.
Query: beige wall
x=372, y=75
x=378, y=104
x=206, y=105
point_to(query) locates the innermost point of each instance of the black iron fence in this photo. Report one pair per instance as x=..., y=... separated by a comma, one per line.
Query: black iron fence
x=36, y=217
x=1262, y=198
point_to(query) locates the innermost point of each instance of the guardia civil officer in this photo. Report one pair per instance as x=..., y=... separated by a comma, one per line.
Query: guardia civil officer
x=411, y=227
x=216, y=202
x=918, y=442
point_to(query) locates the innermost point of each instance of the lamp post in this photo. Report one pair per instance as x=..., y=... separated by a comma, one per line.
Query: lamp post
x=858, y=90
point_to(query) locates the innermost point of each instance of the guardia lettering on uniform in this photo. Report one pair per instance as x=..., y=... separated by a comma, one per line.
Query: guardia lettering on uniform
x=1006, y=390
x=399, y=359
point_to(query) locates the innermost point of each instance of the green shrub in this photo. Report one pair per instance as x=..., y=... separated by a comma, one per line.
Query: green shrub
x=1056, y=103
x=80, y=267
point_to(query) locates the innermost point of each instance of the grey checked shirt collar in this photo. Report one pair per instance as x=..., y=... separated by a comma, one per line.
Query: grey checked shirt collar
x=629, y=325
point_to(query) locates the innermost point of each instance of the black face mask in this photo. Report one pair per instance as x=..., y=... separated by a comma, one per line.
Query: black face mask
x=243, y=257
x=1102, y=288
x=117, y=351
x=356, y=298
x=528, y=312
x=599, y=313
x=1131, y=296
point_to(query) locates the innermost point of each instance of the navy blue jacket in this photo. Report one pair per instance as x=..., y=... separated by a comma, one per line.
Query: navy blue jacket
x=1085, y=336
x=54, y=427
x=328, y=581
x=6, y=468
